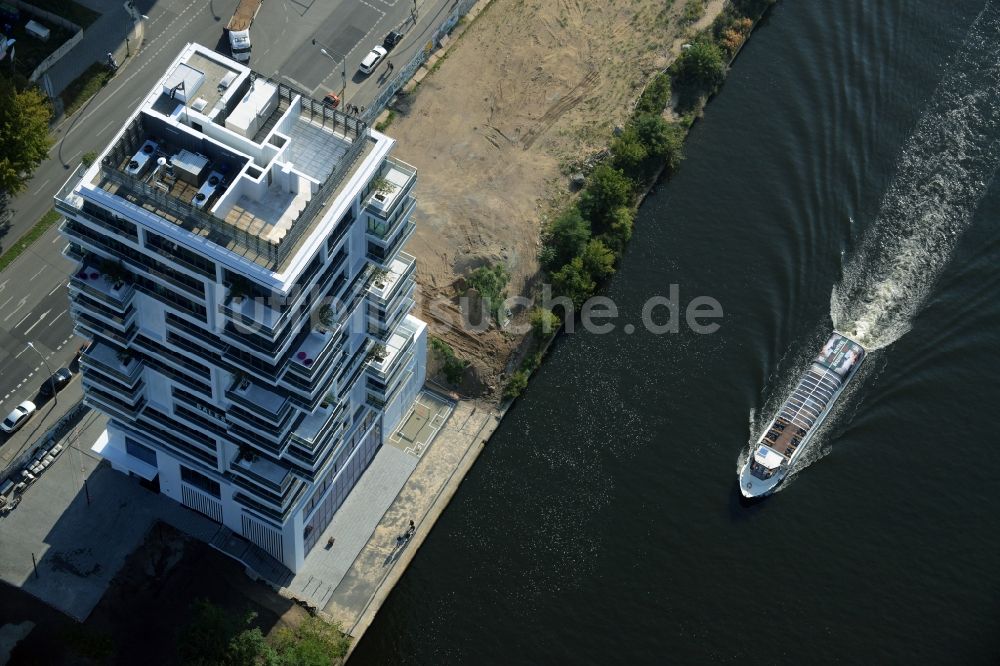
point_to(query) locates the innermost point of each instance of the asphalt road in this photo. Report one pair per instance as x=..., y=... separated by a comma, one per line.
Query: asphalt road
x=33, y=299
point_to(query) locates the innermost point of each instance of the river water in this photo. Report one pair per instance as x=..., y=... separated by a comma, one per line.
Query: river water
x=843, y=176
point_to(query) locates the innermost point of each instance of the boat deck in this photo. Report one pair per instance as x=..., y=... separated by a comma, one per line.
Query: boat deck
x=813, y=394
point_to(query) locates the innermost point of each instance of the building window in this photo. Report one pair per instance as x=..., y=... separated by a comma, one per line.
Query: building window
x=137, y=450
x=201, y=482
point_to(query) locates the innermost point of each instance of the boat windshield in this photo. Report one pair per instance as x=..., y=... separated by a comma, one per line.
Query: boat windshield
x=761, y=472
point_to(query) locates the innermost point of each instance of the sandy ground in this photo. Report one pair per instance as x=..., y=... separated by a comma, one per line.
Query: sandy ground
x=528, y=90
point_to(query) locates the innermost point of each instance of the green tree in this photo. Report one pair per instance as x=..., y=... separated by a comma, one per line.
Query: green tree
x=250, y=648
x=663, y=141
x=598, y=260
x=567, y=235
x=607, y=189
x=312, y=643
x=205, y=640
x=544, y=322
x=701, y=66
x=573, y=281
x=24, y=134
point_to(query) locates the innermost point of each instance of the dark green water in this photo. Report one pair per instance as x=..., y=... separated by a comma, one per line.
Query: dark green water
x=852, y=150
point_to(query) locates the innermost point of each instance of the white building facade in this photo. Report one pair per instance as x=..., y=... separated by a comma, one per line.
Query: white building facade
x=242, y=284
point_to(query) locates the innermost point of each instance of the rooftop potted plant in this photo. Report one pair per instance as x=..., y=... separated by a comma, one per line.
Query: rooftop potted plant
x=325, y=317
x=378, y=354
x=378, y=277
x=124, y=357
x=114, y=273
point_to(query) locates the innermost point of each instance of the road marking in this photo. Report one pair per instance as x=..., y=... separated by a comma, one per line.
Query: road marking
x=19, y=306
x=110, y=123
x=37, y=322
x=56, y=288
x=40, y=271
x=53, y=320
x=3, y=285
x=21, y=352
x=5, y=303
x=23, y=320
x=42, y=187
x=55, y=240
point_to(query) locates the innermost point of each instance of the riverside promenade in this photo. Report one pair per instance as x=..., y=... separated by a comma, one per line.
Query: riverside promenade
x=352, y=594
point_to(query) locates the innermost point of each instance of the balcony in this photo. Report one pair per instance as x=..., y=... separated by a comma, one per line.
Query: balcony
x=262, y=471
x=90, y=281
x=400, y=342
x=255, y=399
x=91, y=325
x=399, y=178
x=254, y=314
x=318, y=425
x=107, y=403
x=92, y=378
x=386, y=285
x=119, y=365
x=383, y=256
x=383, y=229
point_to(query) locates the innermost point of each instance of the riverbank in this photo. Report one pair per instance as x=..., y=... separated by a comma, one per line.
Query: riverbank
x=518, y=103
x=459, y=444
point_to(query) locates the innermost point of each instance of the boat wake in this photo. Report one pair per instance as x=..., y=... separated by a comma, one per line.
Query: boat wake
x=944, y=170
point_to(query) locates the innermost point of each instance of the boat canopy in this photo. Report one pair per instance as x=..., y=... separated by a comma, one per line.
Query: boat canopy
x=768, y=457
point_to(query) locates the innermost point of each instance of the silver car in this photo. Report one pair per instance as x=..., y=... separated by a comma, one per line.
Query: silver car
x=18, y=417
x=372, y=60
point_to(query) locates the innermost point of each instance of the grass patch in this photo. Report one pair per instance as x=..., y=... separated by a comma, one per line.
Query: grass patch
x=384, y=125
x=84, y=87
x=36, y=232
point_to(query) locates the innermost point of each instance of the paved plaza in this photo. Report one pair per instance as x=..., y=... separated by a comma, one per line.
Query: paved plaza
x=80, y=544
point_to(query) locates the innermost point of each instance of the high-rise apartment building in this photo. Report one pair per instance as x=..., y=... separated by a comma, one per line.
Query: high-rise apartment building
x=242, y=284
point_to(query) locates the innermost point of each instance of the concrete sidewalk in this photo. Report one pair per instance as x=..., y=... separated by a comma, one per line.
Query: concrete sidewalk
x=382, y=561
x=79, y=522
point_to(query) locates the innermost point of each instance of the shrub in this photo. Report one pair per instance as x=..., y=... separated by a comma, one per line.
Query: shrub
x=518, y=382
x=452, y=367
x=88, y=158
x=574, y=281
x=701, y=66
x=544, y=322
x=489, y=282
x=655, y=97
x=607, y=189
x=565, y=238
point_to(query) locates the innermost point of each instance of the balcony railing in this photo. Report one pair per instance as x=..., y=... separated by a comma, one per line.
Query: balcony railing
x=90, y=281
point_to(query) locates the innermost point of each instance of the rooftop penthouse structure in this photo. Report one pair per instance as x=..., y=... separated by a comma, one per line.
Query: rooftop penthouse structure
x=242, y=284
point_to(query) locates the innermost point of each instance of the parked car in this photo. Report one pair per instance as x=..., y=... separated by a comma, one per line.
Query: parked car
x=18, y=417
x=331, y=100
x=391, y=40
x=60, y=379
x=371, y=61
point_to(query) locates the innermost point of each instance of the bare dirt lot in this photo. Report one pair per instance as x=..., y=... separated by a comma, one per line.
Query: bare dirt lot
x=528, y=90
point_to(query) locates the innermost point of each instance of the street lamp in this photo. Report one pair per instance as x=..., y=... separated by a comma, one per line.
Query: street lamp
x=52, y=379
x=343, y=68
x=129, y=23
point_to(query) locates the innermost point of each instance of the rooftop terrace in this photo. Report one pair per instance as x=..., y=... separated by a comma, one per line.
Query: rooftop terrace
x=245, y=162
